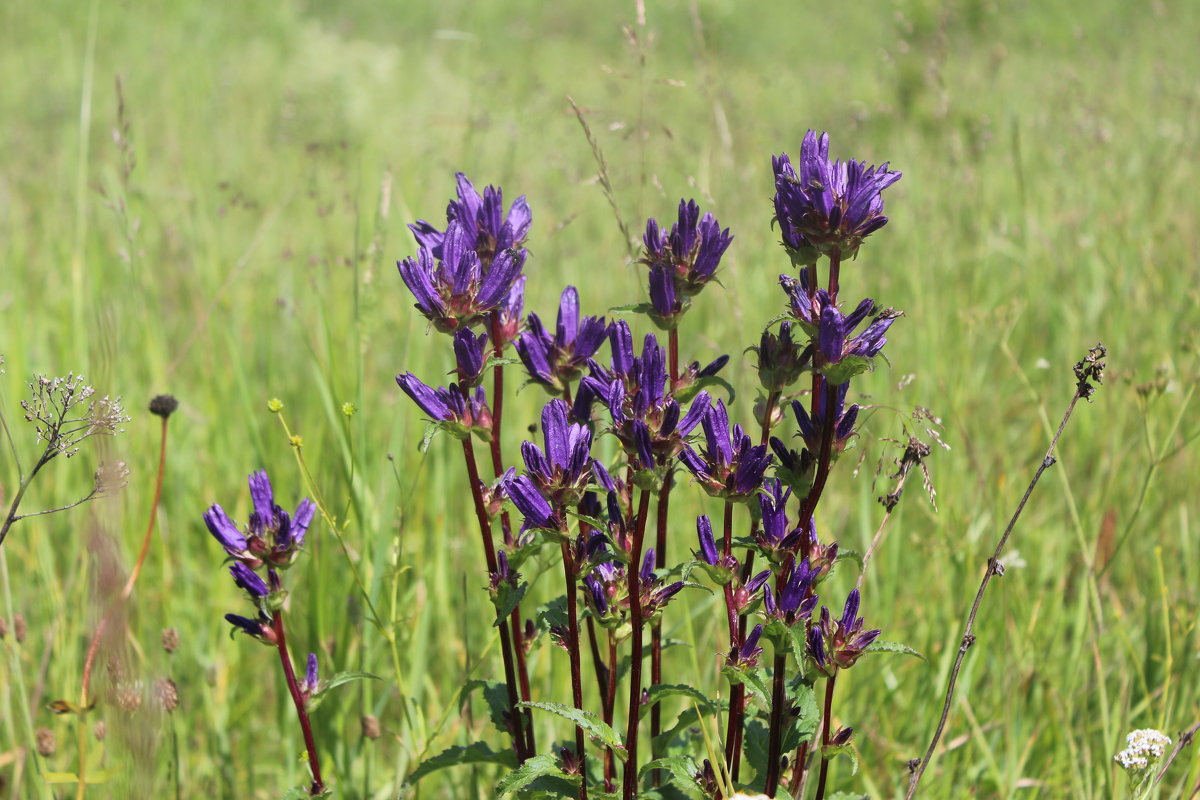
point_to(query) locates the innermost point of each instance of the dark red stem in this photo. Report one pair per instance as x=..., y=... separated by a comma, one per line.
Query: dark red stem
x=573, y=649
x=318, y=786
x=506, y=649
x=825, y=725
x=630, y=781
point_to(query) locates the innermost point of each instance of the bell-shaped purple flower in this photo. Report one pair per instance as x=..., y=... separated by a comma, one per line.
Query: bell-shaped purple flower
x=747, y=655
x=249, y=580
x=838, y=644
x=461, y=412
x=827, y=206
x=689, y=254
x=470, y=354
x=730, y=465
x=555, y=361
x=482, y=217
x=453, y=290
x=271, y=536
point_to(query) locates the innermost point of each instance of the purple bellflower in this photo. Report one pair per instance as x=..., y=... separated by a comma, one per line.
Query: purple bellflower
x=459, y=412
x=311, y=679
x=453, y=291
x=746, y=656
x=827, y=206
x=833, y=404
x=272, y=536
x=729, y=467
x=645, y=418
x=720, y=568
x=488, y=229
x=555, y=361
x=796, y=600
x=838, y=644
x=655, y=593
x=470, y=355
x=689, y=254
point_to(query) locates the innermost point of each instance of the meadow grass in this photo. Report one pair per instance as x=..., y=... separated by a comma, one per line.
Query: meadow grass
x=234, y=240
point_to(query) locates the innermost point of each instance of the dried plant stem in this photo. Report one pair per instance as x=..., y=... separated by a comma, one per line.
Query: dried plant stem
x=603, y=177
x=994, y=568
x=1184, y=740
x=102, y=625
x=569, y=578
x=318, y=785
x=630, y=780
x=506, y=650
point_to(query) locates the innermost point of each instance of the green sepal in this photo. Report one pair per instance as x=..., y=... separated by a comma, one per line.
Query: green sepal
x=506, y=598
x=844, y=750
x=274, y=601
x=844, y=370
x=685, y=393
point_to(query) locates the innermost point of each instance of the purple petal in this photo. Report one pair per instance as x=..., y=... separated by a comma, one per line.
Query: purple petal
x=426, y=398
x=264, y=498
x=555, y=433
x=248, y=579
x=568, y=317
x=224, y=531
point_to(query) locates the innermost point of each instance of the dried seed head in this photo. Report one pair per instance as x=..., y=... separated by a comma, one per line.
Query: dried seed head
x=170, y=640
x=128, y=699
x=20, y=629
x=100, y=730
x=3, y=627
x=167, y=693
x=370, y=727
x=111, y=477
x=163, y=405
x=45, y=743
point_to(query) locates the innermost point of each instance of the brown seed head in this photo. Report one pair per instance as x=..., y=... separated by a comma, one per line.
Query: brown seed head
x=170, y=640
x=44, y=741
x=163, y=405
x=370, y=727
x=100, y=730
x=20, y=629
x=167, y=693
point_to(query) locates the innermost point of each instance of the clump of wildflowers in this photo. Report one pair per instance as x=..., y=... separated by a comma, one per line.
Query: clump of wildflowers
x=486, y=227
x=681, y=262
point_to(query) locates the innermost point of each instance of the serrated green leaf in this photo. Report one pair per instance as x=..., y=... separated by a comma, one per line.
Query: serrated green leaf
x=528, y=772
x=595, y=728
x=753, y=678
x=474, y=753
x=595, y=523
x=878, y=646
x=681, y=769
x=844, y=370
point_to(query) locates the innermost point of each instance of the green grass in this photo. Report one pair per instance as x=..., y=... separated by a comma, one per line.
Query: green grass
x=1048, y=202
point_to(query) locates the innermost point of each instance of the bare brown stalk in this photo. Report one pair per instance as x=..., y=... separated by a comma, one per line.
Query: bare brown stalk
x=1185, y=739
x=602, y=176
x=1087, y=370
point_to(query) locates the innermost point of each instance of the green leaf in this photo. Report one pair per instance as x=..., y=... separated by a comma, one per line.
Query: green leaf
x=681, y=768
x=554, y=613
x=474, y=753
x=629, y=307
x=431, y=432
x=592, y=521
x=495, y=695
x=528, y=772
x=688, y=392
x=844, y=750
x=333, y=682
x=595, y=728
x=661, y=691
x=844, y=370
x=878, y=646
x=506, y=599
x=846, y=554
x=753, y=678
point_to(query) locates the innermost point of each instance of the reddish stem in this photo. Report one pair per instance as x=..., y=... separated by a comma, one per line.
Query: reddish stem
x=825, y=724
x=318, y=786
x=506, y=649
x=630, y=782
x=573, y=650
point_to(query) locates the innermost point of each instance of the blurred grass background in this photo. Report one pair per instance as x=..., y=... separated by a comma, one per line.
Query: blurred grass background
x=227, y=232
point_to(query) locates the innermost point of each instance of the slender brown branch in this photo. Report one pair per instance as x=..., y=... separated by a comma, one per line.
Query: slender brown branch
x=1088, y=369
x=1184, y=740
